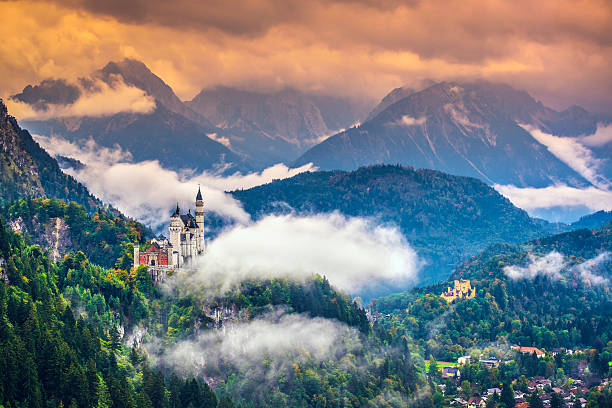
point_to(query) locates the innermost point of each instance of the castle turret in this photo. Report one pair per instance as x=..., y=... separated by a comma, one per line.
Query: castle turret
x=200, y=221
x=136, y=255
x=175, y=233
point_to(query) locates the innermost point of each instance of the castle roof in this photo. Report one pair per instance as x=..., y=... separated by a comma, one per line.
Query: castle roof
x=177, y=211
x=189, y=220
x=199, y=196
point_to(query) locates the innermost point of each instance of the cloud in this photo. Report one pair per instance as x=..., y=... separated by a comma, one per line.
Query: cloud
x=573, y=153
x=101, y=99
x=549, y=265
x=148, y=192
x=221, y=139
x=353, y=253
x=558, y=50
x=410, y=121
x=553, y=263
x=559, y=195
x=281, y=339
x=602, y=136
x=587, y=268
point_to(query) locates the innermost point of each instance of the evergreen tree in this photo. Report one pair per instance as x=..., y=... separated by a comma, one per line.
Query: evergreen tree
x=507, y=395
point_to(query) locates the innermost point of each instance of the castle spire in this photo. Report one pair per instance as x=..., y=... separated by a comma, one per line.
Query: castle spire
x=199, y=196
x=177, y=211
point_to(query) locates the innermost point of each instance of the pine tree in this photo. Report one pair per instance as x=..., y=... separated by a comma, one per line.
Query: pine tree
x=507, y=395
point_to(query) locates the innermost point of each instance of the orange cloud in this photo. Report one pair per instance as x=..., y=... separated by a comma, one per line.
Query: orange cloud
x=559, y=50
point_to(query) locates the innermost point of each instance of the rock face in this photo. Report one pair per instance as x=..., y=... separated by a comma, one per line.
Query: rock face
x=27, y=170
x=471, y=129
x=273, y=127
x=54, y=235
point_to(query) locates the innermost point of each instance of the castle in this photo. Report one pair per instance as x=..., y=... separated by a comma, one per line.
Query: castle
x=185, y=242
x=462, y=290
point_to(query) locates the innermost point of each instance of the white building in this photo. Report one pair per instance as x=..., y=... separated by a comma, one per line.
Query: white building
x=185, y=242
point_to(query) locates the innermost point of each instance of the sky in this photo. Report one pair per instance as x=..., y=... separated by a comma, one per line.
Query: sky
x=558, y=50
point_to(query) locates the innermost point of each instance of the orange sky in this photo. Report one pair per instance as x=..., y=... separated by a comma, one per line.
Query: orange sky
x=559, y=50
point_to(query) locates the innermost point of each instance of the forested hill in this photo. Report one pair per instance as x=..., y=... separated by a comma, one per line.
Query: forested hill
x=445, y=217
x=549, y=292
x=28, y=171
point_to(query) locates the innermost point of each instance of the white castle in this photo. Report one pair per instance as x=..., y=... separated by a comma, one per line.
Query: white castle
x=185, y=242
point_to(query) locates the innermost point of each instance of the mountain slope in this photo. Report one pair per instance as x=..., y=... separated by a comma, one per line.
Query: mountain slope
x=28, y=170
x=470, y=129
x=272, y=127
x=445, y=217
x=555, y=303
x=176, y=142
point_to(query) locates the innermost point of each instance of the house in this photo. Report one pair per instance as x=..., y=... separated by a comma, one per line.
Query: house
x=464, y=360
x=529, y=350
x=476, y=402
x=450, y=372
x=491, y=391
x=489, y=362
x=557, y=351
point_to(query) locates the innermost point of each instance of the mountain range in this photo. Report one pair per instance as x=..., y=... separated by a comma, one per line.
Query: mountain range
x=475, y=129
x=219, y=128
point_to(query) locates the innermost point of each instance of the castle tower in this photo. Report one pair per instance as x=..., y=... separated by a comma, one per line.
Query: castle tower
x=136, y=255
x=175, y=235
x=200, y=222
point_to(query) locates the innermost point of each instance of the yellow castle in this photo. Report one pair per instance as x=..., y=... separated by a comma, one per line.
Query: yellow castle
x=462, y=290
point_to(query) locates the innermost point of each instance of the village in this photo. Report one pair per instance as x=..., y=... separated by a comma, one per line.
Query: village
x=557, y=390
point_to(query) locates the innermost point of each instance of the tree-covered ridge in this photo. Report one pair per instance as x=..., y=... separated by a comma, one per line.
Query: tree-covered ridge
x=64, y=328
x=104, y=236
x=546, y=310
x=445, y=217
x=315, y=297
x=51, y=359
x=28, y=171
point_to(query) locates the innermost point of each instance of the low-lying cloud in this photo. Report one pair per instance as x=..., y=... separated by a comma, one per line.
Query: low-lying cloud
x=574, y=153
x=587, y=269
x=602, y=136
x=99, y=99
x=410, y=121
x=549, y=265
x=355, y=254
x=560, y=195
x=281, y=339
x=136, y=188
x=552, y=264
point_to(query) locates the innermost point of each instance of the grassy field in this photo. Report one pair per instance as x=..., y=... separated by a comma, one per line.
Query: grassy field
x=442, y=364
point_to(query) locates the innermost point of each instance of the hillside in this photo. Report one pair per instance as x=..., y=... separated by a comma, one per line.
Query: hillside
x=73, y=333
x=29, y=171
x=470, y=129
x=562, y=300
x=445, y=217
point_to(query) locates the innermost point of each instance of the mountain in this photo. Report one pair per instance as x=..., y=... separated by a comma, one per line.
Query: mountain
x=171, y=133
x=176, y=142
x=592, y=221
x=29, y=171
x=471, y=129
x=137, y=74
x=445, y=217
x=273, y=127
